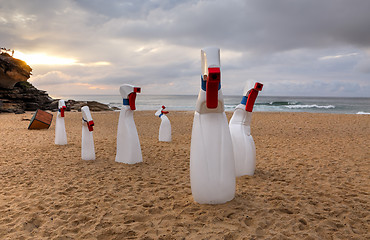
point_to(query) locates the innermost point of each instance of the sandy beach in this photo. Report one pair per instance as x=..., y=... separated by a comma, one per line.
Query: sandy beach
x=311, y=182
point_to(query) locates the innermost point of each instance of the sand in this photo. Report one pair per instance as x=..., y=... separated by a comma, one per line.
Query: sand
x=311, y=182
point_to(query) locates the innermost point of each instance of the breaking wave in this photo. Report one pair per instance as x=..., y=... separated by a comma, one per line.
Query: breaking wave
x=309, y=106
x=278, y=103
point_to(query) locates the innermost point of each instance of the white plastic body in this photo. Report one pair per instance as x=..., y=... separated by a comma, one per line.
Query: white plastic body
x=210, y=58
x=165, y=129
x=201, y=106
x=212, y=169
x=125, y=90
x=128, y=144
x=87, y=143
x=212, y=166
x=248, y=86
x=243, y=144
x=60, y=129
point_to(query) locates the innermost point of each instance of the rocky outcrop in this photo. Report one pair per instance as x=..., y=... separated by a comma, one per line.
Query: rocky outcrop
x=17, y=95
x=93, y=106
x=12, y=70
x=73, y=105
x=23, y=97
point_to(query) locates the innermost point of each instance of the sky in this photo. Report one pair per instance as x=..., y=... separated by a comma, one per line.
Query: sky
x=293, y=47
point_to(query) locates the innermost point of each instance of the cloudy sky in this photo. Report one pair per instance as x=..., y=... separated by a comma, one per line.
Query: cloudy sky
x=294, y=47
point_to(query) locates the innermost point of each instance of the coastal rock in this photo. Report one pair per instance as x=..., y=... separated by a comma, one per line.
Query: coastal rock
x=17, y=95
x=12, y=70
x=93, y=105
x=73, y=105
x=23, y=97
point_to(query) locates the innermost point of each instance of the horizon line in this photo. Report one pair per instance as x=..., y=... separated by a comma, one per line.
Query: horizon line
x=230, y=95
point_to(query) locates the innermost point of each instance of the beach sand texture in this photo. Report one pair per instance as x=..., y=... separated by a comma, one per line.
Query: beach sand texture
x=311, y=182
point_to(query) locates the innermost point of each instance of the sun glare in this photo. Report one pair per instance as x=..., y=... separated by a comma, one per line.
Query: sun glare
x=34, y=59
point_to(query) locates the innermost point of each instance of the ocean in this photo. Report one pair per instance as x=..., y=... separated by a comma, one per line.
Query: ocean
x=263, y=103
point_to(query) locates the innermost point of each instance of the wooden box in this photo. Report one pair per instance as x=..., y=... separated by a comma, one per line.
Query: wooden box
x=41, y=120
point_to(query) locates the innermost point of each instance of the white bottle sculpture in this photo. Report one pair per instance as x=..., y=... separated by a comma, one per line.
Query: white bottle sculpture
x=165, y=127
x=240, y=129
x=60, y=128
x=212, y=166
x=87, y=143
x=128, y=144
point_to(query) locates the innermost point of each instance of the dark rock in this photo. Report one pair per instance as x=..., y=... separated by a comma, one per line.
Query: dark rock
x=12, y=70
x=93, y=106
x=54, y=105
x=9, y=106
x=19, y=111
x=32, y=106
x=17, y=95
x=97, y=106
x=23, y=97
x=6, y=111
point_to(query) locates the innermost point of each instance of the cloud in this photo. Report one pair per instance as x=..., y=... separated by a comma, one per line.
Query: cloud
x=53, y=78
x=156, y=43
x=257, y=26
x=338, y=56
x=65, y=84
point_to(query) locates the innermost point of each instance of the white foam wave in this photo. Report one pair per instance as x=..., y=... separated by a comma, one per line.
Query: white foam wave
x=309, y=106
x=362, y=113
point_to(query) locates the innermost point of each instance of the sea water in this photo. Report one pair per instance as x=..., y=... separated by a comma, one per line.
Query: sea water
x=263, y=103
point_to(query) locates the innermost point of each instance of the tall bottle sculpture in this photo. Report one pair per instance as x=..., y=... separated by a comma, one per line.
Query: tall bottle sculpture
x=60, y=128
x=128, y=144
x=165, y=127
x=87, y=143
x=240, y=129
x=212, y=166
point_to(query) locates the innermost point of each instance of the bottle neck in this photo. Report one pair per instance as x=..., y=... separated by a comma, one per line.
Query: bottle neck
x=244, y=100
x=203, y=84
x=126, y=102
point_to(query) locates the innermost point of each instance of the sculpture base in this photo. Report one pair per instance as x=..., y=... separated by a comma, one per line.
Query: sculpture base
x=41, y=120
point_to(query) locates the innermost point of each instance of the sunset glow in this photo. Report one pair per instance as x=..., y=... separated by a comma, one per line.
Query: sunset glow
x=156, y=44
x=43, y=59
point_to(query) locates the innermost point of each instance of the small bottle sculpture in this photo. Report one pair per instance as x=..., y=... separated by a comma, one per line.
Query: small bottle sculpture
x=212, y=166
x=87, y=143
x=60, y=128
x=240, y=129
x=128, y=144
x=165, y=127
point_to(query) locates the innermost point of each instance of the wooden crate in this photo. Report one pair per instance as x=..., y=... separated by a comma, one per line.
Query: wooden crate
x=41, y=120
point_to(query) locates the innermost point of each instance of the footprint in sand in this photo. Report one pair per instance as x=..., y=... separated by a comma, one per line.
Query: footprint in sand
x=32, y=224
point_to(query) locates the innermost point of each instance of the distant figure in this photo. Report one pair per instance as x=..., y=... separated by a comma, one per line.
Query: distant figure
x=165, y=127
x=60, y=129
x=212, y=166
x=128, y=144
x=87, y=143
x=240, y=129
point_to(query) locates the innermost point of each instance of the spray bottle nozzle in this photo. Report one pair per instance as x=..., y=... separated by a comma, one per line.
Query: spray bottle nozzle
x=162, y=111
x=213, y=83
x=131, y=100
x=258, y=86
x=61, y=110
x=90, y=125
x=252, y=95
